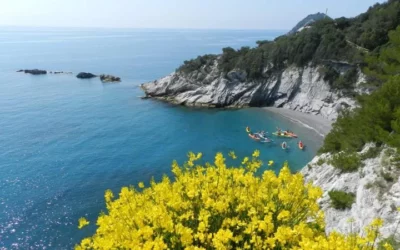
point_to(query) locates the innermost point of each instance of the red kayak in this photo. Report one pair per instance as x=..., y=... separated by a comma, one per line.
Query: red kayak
x=290, y=134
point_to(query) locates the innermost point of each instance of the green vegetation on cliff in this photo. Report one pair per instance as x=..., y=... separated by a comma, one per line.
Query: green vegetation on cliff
x=342, y=39
x=341, y=200
x=378, y=117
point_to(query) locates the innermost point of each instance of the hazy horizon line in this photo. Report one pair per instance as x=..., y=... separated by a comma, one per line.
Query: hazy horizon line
x=140, y=28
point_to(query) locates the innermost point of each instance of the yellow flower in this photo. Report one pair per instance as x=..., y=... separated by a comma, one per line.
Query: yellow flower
x=82, y=222
x=256, y=153
x=387, y=246
x=284, y=215
x=232, y=155
x=219, y=207
x=199, y=155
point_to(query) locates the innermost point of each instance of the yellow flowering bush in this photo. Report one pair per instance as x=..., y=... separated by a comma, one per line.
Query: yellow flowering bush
x=220, y=207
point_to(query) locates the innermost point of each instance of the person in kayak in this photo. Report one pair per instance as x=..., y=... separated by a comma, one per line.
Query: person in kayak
x=301, y=145
x=284, y=145
x=248, y=129
x=262, y=135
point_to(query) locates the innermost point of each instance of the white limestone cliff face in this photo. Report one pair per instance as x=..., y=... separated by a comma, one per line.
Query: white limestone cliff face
x=301, y=89
x=376, y=197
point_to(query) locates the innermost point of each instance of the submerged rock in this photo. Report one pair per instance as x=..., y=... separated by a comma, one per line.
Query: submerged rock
x=85, y=75
x=109, y=78
x=33, y=71
x=60, y=72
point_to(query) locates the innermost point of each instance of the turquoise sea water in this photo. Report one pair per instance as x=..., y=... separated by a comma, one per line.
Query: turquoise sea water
x=64, y=141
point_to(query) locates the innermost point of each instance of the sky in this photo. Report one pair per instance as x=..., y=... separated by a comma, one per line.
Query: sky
x=187, y=14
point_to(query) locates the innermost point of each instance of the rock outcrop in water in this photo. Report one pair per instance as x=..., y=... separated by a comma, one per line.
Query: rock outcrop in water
x=377, y=195
x=109, y=78
x=33, y=71
x=302, y=89
x=82, y=75
x=85, y=75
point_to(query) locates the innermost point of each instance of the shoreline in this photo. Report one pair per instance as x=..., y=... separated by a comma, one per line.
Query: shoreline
x=316, y=123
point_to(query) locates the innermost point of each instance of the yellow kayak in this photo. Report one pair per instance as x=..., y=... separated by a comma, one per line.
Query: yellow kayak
x=285, y=135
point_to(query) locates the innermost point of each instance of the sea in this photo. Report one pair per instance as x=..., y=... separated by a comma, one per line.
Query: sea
x=64, y=141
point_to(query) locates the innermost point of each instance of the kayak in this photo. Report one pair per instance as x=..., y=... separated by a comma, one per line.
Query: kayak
x=284, y=146
x=292, y=135
x=254, y=137
x=301, y=146
x=285, y=135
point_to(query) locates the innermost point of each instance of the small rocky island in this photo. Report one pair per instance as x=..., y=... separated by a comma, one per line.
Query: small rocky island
x=109, y=78
x=105, y=78
x=42, y=72
x=85, y=75
x=33, y=71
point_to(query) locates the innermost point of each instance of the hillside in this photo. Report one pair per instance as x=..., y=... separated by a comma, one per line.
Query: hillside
x=308, y=21
x=317, y=70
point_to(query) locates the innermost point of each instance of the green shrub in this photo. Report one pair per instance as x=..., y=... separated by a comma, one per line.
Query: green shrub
x=320, y=161
x=341, y=200
x=371, y=153
x=346, y=81
x=347, y=162
x=330, y=75
x=369, y=185
x=387, y=176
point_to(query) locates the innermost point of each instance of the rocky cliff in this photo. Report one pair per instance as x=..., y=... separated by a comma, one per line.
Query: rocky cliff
x=308, y=21
x=297, y=88
x=376, y=186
